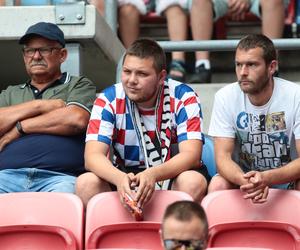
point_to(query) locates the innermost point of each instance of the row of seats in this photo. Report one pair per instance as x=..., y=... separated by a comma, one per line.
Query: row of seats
x=221, y=25
x=56, y=221
x=51, y=221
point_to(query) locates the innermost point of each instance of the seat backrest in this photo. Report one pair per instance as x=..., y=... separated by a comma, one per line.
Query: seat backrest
x=230, y=206
x=41, y=221
x=236, y=222
x=273, y=235
x=208, y=155
x=105, y=215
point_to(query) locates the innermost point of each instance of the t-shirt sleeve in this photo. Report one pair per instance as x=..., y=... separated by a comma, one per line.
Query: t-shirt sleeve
x=3, y=98
x=221, y=123
x=82, y=93
x=101, y=124
x=188, y=115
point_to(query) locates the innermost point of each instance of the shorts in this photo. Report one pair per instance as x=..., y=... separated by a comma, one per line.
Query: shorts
x=135, y=170
x=158, y=6
x=221, y=7
x=35, y=180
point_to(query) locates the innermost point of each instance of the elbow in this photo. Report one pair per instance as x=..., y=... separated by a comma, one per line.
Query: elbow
x=80, y=123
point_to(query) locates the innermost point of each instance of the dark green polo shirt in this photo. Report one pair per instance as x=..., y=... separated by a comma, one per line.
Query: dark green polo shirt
x=71, y=89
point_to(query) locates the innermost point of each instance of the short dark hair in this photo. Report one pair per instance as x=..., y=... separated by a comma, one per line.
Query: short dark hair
x=185, y=210
x=259, y=41
x=147, y=48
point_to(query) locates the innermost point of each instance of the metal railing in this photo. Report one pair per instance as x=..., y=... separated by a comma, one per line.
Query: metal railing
x=222, y=45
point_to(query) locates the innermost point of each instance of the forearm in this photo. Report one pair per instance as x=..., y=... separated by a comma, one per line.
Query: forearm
x=285, y=174
x=10, y=115
x=100, y=165
x=231, y=171
x=69, y=120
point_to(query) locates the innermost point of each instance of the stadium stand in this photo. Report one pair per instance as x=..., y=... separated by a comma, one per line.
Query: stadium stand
x=110, y=225
x=41, y=221
x=236, y=222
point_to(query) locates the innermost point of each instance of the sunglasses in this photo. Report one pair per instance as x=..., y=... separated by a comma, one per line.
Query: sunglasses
x=173, y=244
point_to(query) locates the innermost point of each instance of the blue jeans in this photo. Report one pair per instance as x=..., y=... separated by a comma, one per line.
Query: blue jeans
x=35, y=180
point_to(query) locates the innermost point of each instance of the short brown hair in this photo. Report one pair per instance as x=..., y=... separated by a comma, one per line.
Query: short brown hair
x=259, y=41
x=148, y=48
x=185, y=210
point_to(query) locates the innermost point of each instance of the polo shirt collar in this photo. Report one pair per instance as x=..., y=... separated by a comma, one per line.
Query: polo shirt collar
x=65, y=78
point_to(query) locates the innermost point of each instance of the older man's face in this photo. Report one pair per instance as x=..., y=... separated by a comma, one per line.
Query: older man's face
x=43, y=57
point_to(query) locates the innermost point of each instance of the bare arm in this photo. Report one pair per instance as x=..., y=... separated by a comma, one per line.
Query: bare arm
x=227, y=168
x=289, y=172
x=10, y=115
x=69, y=120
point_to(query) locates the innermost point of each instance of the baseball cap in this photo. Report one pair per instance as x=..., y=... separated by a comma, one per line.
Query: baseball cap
x=47, y=30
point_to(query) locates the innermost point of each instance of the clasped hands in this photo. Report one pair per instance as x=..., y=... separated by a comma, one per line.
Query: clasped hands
x=139, y=187
x=256, y=187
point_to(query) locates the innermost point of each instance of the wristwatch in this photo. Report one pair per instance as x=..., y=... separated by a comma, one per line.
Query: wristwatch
x=20, y=129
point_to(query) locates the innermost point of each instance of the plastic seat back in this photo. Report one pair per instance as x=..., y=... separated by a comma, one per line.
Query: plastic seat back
x=41, y=221
x=110, y=225
x=208, y=156
x=236, y=222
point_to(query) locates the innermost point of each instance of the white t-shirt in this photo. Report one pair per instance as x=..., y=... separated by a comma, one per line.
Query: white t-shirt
x=264, y=134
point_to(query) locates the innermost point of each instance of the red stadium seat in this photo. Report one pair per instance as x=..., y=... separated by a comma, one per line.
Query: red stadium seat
x=110, y=225
x=236, y=222
x=41, y=221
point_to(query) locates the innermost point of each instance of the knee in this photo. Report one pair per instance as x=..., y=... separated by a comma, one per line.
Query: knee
x=218, y=183
x=128, y=10
x=192, y=183
x=87, y=181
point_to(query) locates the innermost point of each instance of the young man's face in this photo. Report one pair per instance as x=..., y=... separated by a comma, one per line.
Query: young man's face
x=183, y=234
x=140, y=80
x=252, y=72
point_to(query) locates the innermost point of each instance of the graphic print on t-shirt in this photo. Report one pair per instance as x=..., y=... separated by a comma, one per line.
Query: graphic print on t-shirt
x=263, y=141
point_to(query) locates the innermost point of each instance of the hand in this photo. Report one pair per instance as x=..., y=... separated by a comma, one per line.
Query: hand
x=256, y=188
x=11, y=135
x=262, y=197
x=124, y=186
x=238, y=8
x=146, y=185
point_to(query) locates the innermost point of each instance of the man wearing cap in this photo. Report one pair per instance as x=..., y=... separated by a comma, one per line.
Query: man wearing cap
x=43, y=121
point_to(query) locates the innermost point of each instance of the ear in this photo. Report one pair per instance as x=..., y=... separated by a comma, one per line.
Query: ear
x=162, y=76
x=63, y=54
x=161, y=238
x=273, y=66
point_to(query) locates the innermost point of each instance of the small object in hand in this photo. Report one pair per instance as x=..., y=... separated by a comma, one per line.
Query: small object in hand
x=136, y=212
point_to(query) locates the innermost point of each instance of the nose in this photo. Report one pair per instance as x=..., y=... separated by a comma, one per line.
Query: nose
x=244, y=70
x=132, y=78
x=37, y=54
